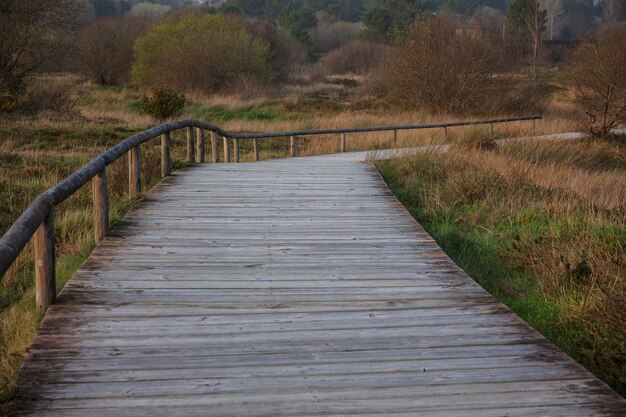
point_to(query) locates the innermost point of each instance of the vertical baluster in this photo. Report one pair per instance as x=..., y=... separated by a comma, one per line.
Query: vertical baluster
x=292, y=146
x=165, y=154
x=134, y=172
x=343, y=142
x=255, y=145
x=199, y=145
x=226, y=150
x=235, y=150
x=190, y=146
x=100, y=205
x=214, y=147
x=45, y=273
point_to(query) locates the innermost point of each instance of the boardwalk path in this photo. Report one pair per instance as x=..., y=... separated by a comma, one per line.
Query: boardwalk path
x=289, y=287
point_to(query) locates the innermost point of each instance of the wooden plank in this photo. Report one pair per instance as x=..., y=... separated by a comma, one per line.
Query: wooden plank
x=288, y=287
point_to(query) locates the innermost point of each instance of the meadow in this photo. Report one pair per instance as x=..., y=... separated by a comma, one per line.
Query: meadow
x=544, y=222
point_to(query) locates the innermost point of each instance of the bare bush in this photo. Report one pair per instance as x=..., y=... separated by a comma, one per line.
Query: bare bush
x=598, y=79
x=356, y=57
x=327, y=36
x=49, y=95
x=446, y=70
x=104, y=49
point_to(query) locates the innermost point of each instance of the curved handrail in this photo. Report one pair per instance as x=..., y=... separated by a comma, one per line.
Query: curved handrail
x=18, y=235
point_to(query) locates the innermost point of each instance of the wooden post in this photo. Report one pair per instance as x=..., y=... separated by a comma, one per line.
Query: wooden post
x=134, y=172
x=226, y=151
x=491, y=125
x=395, y=138
x=165, y=154
x=45, y=272
x=445, y=133
x=199, y=145
x=255, y=145
x=343, y=142
x=292, y=146
x=214, y=145
x=100, y=205
x=190, y=147
x=235, y=150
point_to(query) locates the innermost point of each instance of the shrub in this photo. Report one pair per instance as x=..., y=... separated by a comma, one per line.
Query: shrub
x=598, y=79
x=446, y=70
x=199, y=53
x=7, y=102
x=104, y=50
x=356, y=57
x=327, y=36
x=49, y=95
x=164, y=103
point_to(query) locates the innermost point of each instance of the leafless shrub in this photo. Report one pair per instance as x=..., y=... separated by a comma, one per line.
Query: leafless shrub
x=446, y=70
x=49, y=95
x=328, y=36
x=356, y=57
x=598, y=79
x=104, y=49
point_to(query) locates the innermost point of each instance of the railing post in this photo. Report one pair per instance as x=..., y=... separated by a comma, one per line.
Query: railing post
x=255, y=146
x=100, y=205
x=226, y=151
x=292, y=146
x=165, y=154
x=235, y=150
x=491, y=125
x=214, y=145
x=199, y=145
x=134, y=172
x=190, y=153
x=45, y=272
x=395, y=138
x=343, y=142
x=445, y=133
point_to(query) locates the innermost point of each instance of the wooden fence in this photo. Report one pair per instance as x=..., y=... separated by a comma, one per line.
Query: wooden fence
x=38, y=218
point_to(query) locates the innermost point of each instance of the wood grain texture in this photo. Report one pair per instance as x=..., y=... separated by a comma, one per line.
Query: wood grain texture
x=100, y=205
x=45, y=264
x=288, y=287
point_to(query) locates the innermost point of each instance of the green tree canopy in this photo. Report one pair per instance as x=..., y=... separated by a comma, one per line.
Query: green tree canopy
x=199, y=53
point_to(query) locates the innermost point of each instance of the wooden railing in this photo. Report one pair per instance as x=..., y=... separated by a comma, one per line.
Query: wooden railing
x=38, y=219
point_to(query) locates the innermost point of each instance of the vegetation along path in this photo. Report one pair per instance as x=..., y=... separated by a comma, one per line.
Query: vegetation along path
x=289, y=287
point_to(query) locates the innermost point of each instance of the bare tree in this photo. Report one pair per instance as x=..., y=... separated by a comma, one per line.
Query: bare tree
x=554, y=12
x=104, y=48
x=28, y=30
x=611, y=10
x=598, y=78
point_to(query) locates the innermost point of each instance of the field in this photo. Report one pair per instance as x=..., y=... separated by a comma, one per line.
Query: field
x=554, y=213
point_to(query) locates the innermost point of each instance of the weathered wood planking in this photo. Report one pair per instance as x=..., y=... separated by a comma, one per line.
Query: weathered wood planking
x=289, y=287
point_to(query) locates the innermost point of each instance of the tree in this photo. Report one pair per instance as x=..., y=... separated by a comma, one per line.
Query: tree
x=611, y=10
x=298, y=23
x=104, y=48
x=598, y=80
x=445, y=71
x=554, y=12
x=205, y=53
x=526, y=23
x=149, y=11
x=392, y=17
x=29, y=32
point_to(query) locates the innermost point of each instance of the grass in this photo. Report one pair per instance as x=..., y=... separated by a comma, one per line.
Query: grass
x=551, y=249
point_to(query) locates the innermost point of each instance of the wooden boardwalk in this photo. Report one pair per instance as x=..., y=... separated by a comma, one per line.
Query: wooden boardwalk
x=284, y=288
